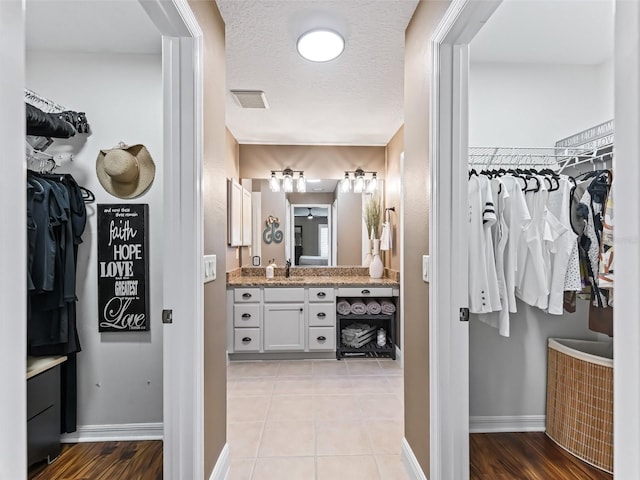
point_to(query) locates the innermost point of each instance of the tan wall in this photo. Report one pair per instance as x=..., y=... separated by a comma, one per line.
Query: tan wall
x=273, y=203
x=232, y=158
x=392, y=196
x=415, y=181
x=257, y=161
x=215, y=215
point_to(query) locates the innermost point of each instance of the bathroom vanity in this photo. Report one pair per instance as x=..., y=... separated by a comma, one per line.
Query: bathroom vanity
x=296, y=317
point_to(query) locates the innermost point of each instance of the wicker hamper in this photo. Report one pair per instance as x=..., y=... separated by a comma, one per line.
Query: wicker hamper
x=580, y=399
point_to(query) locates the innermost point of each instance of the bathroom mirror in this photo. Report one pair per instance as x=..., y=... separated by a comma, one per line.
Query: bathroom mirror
x=345, y=232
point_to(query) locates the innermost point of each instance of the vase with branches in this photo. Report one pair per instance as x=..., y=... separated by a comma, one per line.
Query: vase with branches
x=372, y=216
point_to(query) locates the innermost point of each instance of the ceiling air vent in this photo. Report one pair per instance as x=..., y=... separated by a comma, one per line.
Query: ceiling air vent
x=251, y=98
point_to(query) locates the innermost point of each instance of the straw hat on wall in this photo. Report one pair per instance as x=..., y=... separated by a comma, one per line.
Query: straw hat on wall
x=125, y=171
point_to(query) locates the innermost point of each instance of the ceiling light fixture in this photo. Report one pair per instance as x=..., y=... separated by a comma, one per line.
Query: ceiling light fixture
x=320, y=45
x=310, y=216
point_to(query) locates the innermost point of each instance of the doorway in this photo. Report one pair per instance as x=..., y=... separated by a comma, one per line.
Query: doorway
x=449, y=136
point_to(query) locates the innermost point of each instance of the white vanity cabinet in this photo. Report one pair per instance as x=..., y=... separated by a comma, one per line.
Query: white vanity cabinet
x=281, y=320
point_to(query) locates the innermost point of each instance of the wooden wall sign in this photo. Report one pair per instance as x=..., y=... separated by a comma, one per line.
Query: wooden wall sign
x=123, y=267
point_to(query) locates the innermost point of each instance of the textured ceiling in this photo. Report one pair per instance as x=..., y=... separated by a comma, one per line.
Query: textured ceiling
x=356, y=99
x=547, y=31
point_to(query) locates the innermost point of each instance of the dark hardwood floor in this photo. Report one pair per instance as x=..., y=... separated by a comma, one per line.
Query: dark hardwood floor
x=525, y=456
x=103, y=461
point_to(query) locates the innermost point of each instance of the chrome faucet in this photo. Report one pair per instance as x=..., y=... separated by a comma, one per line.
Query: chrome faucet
x=286, y=270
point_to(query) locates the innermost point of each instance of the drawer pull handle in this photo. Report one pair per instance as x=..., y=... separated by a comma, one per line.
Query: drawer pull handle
x=322, y=294
x=322, y=339
x=365, y=292
x=246, y=339
x=246, y=295
x=246, y=315
x=301, y=309
x=322, y=315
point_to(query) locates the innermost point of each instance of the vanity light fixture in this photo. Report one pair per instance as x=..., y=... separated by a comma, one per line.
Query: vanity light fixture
x=287, y=180
x=360, y=182
x=321, y=45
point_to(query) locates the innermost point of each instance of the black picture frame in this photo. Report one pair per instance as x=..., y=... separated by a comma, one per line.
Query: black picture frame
x=123, y=267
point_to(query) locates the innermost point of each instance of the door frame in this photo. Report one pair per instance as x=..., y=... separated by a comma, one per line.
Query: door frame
x=13, y=254
x=183, y=290
x=449, y=373
x=448, y=146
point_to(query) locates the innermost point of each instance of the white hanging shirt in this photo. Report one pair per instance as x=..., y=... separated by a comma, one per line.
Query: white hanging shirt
x=517, y=217
x=500, y=233
x=561, y=247
x=532, y=278
x=483, y=284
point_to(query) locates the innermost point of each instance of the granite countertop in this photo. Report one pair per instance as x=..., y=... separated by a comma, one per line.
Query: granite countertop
x=311, y=276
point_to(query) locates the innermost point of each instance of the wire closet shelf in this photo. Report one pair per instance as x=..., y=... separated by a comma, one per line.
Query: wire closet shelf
x=555, y=158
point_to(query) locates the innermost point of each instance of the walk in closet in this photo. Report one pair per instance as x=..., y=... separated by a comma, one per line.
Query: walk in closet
x=540, y=123
x=74, y=59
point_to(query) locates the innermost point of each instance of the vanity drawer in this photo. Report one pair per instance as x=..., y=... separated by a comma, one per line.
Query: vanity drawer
x=246, y=339
x=284, y=294
x=322, y=338
x=246, y=295
x=246, y=315
x=365, y=292
x=322, y=315
x=326, y=294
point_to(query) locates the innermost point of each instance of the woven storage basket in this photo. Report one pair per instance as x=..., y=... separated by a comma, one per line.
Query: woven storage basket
x=580, y=400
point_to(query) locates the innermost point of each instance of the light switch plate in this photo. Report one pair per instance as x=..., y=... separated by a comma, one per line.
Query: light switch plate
x=209, y=268
x=426, y=273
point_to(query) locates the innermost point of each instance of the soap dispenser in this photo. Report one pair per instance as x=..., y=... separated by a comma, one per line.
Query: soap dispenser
x=270, y=270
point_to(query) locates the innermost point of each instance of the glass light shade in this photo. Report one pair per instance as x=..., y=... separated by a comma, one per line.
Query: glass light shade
x=320, y=45
x=287, y=183
x=346, y=183
x=302, y=184
x=373, y=184
x=274, y=183
x=358, y=184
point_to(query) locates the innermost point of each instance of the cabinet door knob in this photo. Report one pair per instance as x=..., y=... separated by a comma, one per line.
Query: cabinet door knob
x=322, y=315
x=246, y=339
x=322, y=294
x=365, y=292
x=321, y=338
x=301, y=309
x=246, y=295
x=246, y=315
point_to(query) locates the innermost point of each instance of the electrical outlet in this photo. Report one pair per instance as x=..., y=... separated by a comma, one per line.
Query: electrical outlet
x=209, y=268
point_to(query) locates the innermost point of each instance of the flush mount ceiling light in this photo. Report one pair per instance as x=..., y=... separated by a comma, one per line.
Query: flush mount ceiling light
x=320, y=45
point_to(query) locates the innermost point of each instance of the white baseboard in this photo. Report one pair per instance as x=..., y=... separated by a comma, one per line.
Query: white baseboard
x=518, y=423
x=221, y=469
x=115, y=433
x=411, y=462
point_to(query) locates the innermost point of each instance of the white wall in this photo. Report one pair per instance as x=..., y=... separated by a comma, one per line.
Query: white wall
x=119, y=374
x=528, y=105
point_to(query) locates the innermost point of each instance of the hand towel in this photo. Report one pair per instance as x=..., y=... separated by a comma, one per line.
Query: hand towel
x=358, y=307
x=373, y=307
x=343, y=307
x=387, y=307
x=385, y=237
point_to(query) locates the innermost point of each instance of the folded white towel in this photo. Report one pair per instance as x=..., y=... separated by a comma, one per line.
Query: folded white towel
x=385, y=237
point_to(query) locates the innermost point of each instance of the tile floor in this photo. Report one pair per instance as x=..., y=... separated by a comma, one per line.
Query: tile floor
x=315, y=420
